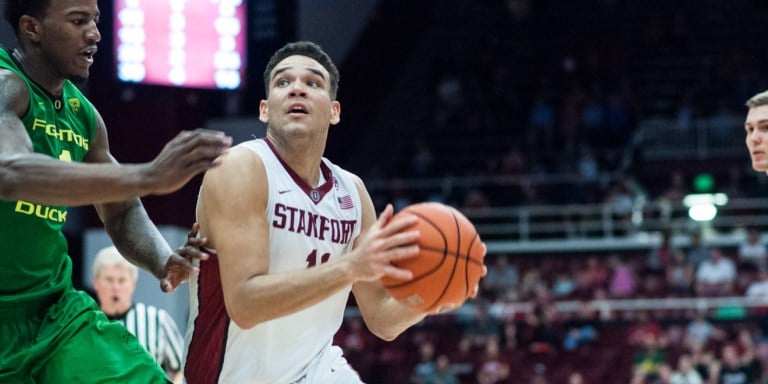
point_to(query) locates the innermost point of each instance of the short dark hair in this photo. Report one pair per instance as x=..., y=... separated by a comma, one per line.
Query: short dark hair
x=14, y=9
x=308, y=49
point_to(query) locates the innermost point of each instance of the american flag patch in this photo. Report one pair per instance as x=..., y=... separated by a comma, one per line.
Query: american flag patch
x=345, y=202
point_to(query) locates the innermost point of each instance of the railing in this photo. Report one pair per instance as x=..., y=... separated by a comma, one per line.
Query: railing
x=604, y=226
x=608, y=309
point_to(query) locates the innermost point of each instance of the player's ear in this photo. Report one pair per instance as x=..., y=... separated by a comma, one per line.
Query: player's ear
x=263, y=112
x=29, y=27
x=335, y=112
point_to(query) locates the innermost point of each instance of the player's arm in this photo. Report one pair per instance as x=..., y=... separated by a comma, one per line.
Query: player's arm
x=232, y=215
x=38, y=178
x=384, y=316
x=231, y=212
x=127, y=222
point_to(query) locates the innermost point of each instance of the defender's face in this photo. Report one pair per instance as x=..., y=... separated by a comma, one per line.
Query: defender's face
x=114, y=286
x=756, y=127
x=68, y=36
x=299, y=96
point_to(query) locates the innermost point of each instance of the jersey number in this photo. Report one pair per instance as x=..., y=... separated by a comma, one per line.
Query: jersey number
x=312, y=258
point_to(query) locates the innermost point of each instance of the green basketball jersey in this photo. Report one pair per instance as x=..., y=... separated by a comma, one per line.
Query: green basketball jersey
x=33, y=251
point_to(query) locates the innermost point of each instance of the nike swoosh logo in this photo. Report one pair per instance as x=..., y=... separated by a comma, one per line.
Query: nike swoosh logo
x=282, y=192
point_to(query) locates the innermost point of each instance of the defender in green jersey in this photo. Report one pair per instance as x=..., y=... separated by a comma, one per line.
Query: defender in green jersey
x=54, y=153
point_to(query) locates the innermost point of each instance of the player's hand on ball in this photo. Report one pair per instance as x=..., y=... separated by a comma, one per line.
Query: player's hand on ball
x=387, y=241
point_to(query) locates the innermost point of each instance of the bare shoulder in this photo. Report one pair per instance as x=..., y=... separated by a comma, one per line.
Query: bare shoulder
x=241, y=171
x=239, y=163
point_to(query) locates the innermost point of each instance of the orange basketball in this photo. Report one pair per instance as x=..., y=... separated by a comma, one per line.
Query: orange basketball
x=450, y=262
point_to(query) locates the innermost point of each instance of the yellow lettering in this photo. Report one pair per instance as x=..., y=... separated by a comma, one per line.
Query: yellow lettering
x=24, y=207
x=65, y=156
x=38, y=123
x=41, y=211
x=66, y=135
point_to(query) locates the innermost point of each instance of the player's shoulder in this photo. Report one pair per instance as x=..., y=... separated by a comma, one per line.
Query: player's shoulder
x=239, y=158
x=14, y=87
x=238, y=168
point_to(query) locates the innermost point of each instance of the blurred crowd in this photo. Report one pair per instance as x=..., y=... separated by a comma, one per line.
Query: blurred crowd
x=492, y=340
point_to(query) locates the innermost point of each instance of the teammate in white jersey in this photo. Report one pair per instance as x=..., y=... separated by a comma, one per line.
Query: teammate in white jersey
x=293, y=234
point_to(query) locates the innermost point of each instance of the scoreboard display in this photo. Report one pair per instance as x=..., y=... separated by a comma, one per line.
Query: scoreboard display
x=183, y=43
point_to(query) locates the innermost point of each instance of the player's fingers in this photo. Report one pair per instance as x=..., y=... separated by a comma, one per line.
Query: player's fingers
x=385, y=215
x=404, y=252
x=398, y=273
x=166, y=286
x=193, y=231
x=400, y=239
x=399, y=224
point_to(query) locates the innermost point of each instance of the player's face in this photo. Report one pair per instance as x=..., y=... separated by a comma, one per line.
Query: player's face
x=114, y=286
x=756, y=128
x=299, y=97
x=68, y=36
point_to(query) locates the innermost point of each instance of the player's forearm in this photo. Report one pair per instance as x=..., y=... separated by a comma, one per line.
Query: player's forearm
x=269, y=296
x=384, y=316
x=135, y=236
x=39, y=179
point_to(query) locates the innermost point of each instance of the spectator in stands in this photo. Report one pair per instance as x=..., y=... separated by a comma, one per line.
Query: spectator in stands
x=502, y=276
x=685, y=372
x=648, y=359
x=643, y=325
x=679, y=275
x=542, y=330
x=716, y=275
x=676, y=189
x=354, y=337
x=492, y=367
x=532, y=278
x=735, y=369
x=482, y=325
x=592, y=277
x=700, y=330
x=581, y=330
x=697, y=250
x=563, y=286
x=475, y=198
x=465, y=358
x=621, y=202
x=753, y=253
x=661, y=256
x=623, y=281
x=759, y=287
x=702, y=360
x=444, y=372
x=426, y=367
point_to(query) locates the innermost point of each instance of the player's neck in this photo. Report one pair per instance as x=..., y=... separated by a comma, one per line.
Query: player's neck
x=304, y=160
x=38, y=70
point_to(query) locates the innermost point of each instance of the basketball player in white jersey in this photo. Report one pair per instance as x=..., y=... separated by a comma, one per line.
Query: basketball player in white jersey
x=293, y=234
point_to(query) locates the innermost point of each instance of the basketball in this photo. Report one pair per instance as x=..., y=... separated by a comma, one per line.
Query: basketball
x=450, y=261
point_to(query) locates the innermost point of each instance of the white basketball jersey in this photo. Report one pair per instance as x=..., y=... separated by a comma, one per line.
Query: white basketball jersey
x=309, y=226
